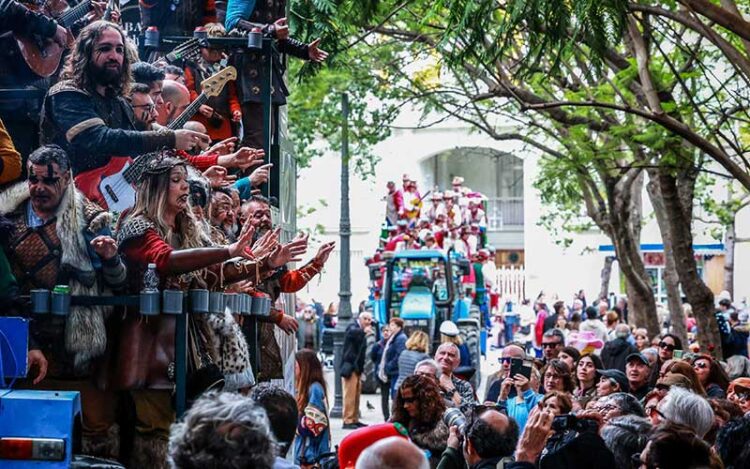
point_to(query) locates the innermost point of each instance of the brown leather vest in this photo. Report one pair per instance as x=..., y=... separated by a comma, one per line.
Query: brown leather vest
x=34, y=253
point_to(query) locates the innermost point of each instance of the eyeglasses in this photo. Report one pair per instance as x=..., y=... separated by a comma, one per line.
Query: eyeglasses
x=667, y=346
x=652, y=411
x=46, y=180
x=550, y=344
x=149, y=107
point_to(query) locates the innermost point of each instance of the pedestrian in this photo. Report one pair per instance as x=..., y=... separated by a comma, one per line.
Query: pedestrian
x=711, y=375
x=388, y=369
x=449, y=333
x=616, y=350
x=376, y=355
x=352, y=366
x=417, y=349
x=313, y=429
x=585, y=377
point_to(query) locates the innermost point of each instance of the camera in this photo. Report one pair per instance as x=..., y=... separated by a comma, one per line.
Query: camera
x=454, y=416
x=564, y=423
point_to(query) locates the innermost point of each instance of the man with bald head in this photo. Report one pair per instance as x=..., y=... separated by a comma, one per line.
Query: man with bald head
x=176, y=98
x=392, y=453
x=488, y=439
x=454, y=389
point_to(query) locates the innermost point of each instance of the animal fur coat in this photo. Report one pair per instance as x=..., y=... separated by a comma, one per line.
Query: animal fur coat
x=85, y=334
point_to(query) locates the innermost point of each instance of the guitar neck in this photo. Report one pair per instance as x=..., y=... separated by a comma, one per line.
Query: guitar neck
x=67, y=19
x=188, y=112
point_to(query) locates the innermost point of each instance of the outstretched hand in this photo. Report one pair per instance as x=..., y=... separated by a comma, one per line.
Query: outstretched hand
x=240, y=247
x=323, y=253
x=105, y=247
x=315, y=53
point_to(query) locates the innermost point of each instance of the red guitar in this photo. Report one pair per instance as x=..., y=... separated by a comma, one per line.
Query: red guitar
x=111, y=186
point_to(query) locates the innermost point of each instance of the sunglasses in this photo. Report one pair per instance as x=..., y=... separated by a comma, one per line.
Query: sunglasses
x=46, y=180
x=550, y=344
x=637, y=462
x=653, y=410
x=505, y=359
x=667, y=346
x=701, y=365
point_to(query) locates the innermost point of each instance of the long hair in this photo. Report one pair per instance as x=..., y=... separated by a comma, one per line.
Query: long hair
x=78, y=64
x=686, y=369
x=151, y=202
x=310, y=371
x=716, y=374
x=426, y=393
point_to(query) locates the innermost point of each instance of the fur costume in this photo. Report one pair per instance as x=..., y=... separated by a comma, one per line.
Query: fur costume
x=231, y=348
x=85, y=334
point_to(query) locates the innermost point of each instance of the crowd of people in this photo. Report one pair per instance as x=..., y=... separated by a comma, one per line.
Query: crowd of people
x=130, y=181
x=455, y=218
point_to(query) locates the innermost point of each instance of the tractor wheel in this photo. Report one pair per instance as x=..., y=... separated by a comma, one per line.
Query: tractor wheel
x=469, y=330
x=370, y=383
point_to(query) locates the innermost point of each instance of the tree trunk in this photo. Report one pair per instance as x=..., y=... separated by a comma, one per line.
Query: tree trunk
x=729, y=243
x=679, y=216
x=606, y=275
x=624, y=218
x=671, y=277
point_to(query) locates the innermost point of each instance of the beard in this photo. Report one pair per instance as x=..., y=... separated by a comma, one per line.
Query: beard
x=105, y=75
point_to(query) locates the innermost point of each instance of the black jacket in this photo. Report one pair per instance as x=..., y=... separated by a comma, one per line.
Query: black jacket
x=353, y=352
x=615, y=352
x=16, y=17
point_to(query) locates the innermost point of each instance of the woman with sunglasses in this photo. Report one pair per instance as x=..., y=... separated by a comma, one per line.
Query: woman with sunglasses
x=586, y=369
x=711, y=375
x=668, y=343
x=419, y=407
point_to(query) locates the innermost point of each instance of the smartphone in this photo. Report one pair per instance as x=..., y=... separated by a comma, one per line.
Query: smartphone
x=678, y=354
x=520, y=366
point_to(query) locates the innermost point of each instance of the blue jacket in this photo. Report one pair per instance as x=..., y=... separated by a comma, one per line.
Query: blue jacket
x=521, y=410
x=398, y=345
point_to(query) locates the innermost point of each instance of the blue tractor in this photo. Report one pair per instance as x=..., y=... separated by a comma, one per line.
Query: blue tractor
x=423, y=288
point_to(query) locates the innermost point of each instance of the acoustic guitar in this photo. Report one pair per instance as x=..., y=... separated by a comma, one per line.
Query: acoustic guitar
x=111, y=186
x=41, y=55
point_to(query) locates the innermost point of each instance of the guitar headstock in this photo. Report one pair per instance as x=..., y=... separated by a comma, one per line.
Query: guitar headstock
x=189, y=50
x=213, y=85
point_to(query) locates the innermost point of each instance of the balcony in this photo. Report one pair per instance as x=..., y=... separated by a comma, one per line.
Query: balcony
x=505, y=214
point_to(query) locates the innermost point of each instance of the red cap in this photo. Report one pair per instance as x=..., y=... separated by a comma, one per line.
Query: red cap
x=357, y=441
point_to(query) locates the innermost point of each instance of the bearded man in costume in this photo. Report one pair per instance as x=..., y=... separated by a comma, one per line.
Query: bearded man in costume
x=257, y=212
x=58, y=237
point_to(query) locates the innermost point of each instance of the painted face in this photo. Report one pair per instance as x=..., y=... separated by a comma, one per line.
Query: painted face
x=144, y=110
x=47, y=184
x=108, y=57
x=179, y=189
x=586, y=370
x=221, y=207
x=258, y=215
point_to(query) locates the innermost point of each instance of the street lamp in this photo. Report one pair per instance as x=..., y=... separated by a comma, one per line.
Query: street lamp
x=345, y=291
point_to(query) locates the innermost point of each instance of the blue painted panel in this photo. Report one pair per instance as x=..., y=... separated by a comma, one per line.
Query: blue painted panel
x=40, y=414
x=14, y=339
x=418, y=304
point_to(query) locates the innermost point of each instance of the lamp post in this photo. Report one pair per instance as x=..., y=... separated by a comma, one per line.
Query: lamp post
x=345, y=293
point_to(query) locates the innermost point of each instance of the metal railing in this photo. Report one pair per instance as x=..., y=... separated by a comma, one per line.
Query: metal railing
x=504, y=213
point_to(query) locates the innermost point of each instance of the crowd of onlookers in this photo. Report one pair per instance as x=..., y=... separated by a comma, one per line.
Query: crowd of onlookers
x=599, y=395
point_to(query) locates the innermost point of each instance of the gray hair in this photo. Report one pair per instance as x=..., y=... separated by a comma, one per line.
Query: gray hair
x=650, y=351
x=429, y=362
x=737, y=366
x=622, y=331
x=625, y=436
x=394, y=453
x=222, y=430
x=556, y=333
x=627, y=403
x=689, y=409
x=449, y=345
